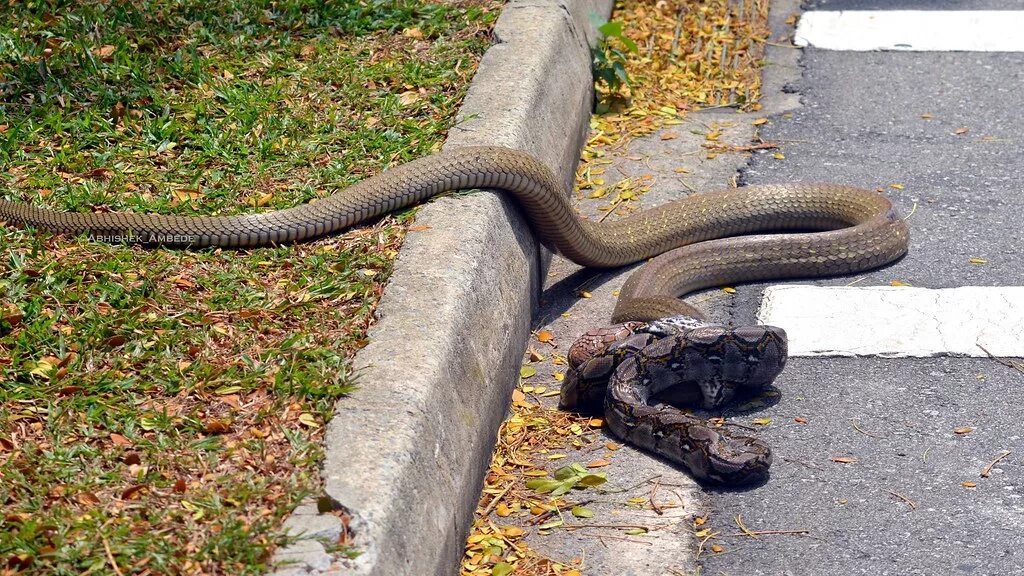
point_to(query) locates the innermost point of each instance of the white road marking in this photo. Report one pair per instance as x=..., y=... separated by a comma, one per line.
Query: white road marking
x=897, y=321
x=915, y=30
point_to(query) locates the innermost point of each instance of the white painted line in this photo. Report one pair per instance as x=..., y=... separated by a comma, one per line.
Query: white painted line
x=915, y=30
x=897, y=321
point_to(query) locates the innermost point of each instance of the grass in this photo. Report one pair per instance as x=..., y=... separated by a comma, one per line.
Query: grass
x=160, y=410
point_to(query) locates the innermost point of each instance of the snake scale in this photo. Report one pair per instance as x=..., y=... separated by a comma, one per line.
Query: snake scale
x=661, y=347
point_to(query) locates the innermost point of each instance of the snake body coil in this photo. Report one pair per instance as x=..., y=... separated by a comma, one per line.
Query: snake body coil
x=700, y=241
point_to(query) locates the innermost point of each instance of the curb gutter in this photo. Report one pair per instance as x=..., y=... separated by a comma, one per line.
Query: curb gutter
x=406, y=452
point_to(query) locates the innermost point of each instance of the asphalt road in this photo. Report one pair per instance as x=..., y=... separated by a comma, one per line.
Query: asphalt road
x=903, y=504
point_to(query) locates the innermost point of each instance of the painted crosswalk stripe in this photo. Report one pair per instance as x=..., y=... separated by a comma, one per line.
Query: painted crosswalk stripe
x=897, y=321
x=915, y=30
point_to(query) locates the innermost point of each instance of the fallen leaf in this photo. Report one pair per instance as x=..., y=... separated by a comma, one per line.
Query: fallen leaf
x=729, y=290
x=119, y=439
x=133, y=492
x=717, y=549
x=978, y=261
x=220, y=426
x=800, y=420
x=963, y=430
x=760, y=121
x=844, y=459
x=527, y=372
x=959, y=131
x=968, y=484
x=898, y=283
x=105, y=51
x=545, y=336
x=897, y=186
x=598, y=463
x=581, y=512
x=762, y=421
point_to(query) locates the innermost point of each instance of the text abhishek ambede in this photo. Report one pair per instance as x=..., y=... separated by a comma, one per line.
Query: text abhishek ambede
x=129, y=238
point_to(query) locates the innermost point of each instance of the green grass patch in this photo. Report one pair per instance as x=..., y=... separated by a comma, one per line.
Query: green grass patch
x=160, y=410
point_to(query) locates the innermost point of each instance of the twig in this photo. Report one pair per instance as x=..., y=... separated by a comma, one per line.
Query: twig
x=497, y=498
x=985, y=472
x=613, y=537
x=110, y=556
x=912, y=210
x=768, y=532
x=1019, y=367
x=747, y=148
x=654, y=505
x=911, y=503
x=743, y=527
x=859, y=429
x=615, y=526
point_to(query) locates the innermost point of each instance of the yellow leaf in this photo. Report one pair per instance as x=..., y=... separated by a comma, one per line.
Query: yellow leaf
x=968, y=484
x=596, y=422
x=712, y=136
x=779, y=156
x=897, y=186
x=512, y=531
x=307, y=420
x=762, y=421
x=898, y=283
x=760, y=121
x=702, y=533
x=545, y=336
x=584, y=294
x=729, y=290
x=699, y=521
x=927, y=116
x=978, y=261
x=527, y=372
x=559, y=376
x=717, y=549
x=502, y=510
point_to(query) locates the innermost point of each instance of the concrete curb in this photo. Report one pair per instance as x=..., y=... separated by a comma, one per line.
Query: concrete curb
x=406, y=453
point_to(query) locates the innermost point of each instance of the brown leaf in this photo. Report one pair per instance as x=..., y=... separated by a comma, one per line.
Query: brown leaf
x=844, y=459
x=105, y=51
x=119, y=439
x=217, y=426
x=132, y=459
x=800, y=420
x=87, y=499
x=598, y=463
x=115, y=341
x=133, y=492
x=99, y=174
x=179, y=486
x=545, y=336
x=960, y=131
x=963, y=430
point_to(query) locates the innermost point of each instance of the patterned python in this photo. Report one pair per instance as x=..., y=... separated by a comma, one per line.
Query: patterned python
x=840, y=230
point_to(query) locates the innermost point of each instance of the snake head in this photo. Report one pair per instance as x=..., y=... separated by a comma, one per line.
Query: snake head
x=723, y=360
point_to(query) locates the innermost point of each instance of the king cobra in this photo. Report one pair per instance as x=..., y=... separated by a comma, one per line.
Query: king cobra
x=661, y=347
